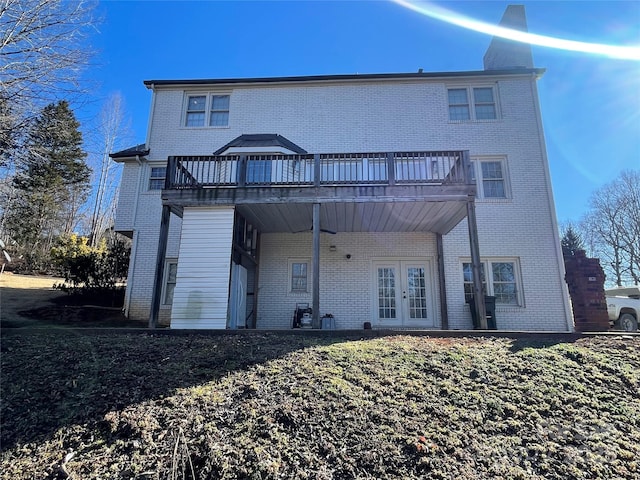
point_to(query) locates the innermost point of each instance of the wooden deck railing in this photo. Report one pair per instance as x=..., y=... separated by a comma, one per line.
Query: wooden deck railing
x=394, y=168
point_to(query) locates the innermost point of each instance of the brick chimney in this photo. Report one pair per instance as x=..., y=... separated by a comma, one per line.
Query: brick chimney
x=504, y=54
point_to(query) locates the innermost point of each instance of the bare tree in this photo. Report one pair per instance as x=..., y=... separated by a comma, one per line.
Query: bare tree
x=111, y=131
x=611, y=228
x=42, y=52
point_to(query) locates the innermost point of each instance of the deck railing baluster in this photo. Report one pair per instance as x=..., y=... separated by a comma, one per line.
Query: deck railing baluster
x=395, y=168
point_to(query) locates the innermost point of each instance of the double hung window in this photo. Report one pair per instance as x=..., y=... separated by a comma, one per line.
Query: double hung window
x=156, y=179
x=196, y=110
x=484, y=103
x=459, y=104
x=472, y=103
x=219, y=113
x=502, y=281
x=207, y=110
x=491, y=178
x=298, y=275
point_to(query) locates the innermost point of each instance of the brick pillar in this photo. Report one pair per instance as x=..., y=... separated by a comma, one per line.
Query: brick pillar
x=585, y=279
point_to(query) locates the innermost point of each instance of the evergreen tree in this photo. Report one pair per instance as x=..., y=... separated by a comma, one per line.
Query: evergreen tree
x=52, y=182
x=571, y=242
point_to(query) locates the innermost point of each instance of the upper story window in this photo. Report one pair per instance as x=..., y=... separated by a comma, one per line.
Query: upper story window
x=219, y=116
x=156, y=179
x=491, y=178
x=196, y=111
x=484, y=104
x=207, y=110
x=467, y=103
x=459, y=104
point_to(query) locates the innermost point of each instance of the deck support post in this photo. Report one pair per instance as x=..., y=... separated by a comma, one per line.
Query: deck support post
x=476, y=265
x=316, y=266
x=256, y=278
x=316, y=169
x=162, y=251
x=391, y=168
x=242, y=171
x=442, y=284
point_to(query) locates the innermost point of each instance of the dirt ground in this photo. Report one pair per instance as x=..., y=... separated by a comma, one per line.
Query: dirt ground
x=30, y=301
x=25, y=292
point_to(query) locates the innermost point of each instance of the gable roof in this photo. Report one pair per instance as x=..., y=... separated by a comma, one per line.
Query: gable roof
x=258, y=140
x=138, y=150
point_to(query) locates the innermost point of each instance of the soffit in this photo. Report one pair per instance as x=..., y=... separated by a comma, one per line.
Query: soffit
x=415, y=216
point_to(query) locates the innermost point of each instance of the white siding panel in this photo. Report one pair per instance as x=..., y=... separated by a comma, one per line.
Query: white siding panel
x=201, y=294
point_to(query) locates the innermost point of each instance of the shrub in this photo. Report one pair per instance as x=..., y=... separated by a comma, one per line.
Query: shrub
x=97, y=272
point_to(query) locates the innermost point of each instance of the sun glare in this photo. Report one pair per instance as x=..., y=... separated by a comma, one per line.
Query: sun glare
x=430, y=10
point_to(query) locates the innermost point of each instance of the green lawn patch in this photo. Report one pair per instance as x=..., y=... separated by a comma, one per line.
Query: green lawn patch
x=267, y=406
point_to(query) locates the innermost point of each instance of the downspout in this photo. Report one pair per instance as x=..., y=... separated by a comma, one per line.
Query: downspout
x=552, y=210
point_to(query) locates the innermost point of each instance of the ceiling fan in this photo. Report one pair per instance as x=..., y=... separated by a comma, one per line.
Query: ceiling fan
x=323, y=230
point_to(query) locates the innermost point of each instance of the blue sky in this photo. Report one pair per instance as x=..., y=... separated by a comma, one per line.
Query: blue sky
x=590, y=103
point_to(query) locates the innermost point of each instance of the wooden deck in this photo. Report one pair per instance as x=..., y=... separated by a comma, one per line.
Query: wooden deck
x=427, y=190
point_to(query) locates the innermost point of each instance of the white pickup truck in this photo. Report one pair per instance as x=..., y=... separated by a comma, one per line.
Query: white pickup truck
x=623, y=306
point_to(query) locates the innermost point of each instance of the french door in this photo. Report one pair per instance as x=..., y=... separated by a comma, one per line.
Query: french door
x=403, y=293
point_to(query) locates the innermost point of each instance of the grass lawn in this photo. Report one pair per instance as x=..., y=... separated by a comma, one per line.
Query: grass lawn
x=267, y=406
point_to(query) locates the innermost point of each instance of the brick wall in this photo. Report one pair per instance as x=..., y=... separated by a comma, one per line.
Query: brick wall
x=356, y=117
x=346, y=285
x=406, y=115
x=139, y=209
x=585, y=279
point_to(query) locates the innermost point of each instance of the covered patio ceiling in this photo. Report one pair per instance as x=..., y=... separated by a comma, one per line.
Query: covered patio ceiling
x=410, y=216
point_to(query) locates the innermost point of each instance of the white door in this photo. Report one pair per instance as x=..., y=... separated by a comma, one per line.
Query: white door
x=403, y=294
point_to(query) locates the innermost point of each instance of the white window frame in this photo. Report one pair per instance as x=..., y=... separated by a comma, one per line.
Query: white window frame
x=166, y=283
x=153, y=178
x=476, y=169
x=290, y=263
x=208, y=108
x=472, y=104
x=213, y=110
x=466, y=104
x=202, y=111
x=489, y=282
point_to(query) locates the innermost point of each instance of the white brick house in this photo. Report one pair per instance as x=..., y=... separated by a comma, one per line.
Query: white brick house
x=357, y=195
